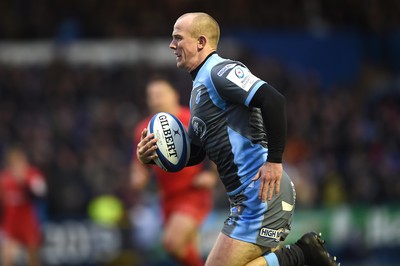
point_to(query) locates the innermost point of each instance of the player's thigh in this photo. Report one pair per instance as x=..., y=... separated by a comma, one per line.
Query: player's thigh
x=180, y=229
x=229, y=251
x=9, y=249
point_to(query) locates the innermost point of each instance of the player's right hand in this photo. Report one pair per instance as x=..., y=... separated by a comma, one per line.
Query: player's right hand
x=145, y=150
x=270, y=175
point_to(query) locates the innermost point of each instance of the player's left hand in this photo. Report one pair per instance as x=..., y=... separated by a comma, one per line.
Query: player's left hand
x=270, y=183
x=146, y=148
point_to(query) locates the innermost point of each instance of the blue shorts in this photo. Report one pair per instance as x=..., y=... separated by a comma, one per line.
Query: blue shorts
x=261, y=223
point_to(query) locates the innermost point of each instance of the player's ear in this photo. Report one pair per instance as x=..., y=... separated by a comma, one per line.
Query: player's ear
x=201, y=42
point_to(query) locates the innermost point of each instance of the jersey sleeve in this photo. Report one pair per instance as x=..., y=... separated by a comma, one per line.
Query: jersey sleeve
x=235, y=83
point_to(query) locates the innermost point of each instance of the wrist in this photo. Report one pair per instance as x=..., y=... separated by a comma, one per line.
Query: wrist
x=274, y=159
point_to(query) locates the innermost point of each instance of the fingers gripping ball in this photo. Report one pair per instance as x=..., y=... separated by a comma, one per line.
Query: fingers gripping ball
x=173, y=147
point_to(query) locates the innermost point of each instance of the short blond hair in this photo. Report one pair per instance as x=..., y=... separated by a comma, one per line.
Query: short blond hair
x=204, y=24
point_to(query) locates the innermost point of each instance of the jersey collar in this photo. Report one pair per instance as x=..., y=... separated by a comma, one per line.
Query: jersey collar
x=194, y=72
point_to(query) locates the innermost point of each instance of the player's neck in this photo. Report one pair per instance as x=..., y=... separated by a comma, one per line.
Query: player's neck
x=194, y=72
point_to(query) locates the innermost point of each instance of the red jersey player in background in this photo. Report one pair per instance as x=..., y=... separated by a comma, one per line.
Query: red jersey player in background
x=20, y=184
x=186, y=196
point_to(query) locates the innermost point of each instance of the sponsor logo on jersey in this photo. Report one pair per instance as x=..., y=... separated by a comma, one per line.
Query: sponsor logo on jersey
x=198, y=95
x=225, y=68
x=199, y=127
x=242, y=77
x=271, y=233
x=239, y=72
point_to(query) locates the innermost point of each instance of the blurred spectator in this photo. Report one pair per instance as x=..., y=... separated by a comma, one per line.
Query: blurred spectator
x=185, y=196
x=20, y=185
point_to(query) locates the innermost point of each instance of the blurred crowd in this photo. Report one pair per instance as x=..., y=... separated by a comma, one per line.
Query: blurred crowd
x=76, y=122
x=24, y=19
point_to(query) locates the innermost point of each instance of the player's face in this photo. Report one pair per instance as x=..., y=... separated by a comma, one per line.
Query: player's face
x=161, y=97
x=17, y=163
x=184, y=45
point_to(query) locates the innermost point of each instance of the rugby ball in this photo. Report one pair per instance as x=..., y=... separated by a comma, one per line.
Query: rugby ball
x=173, y=147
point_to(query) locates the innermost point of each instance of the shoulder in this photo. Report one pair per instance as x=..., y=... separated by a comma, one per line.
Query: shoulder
x=220, y=66
x=226, y=67
x=217, y=66
x=223, y=71
x=236, y=75
x=223, y=68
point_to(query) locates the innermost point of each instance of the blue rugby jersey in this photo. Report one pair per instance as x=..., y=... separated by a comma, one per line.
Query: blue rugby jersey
x=222, y=122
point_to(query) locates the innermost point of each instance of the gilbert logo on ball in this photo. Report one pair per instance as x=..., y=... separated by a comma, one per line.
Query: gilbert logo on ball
x=173, y=147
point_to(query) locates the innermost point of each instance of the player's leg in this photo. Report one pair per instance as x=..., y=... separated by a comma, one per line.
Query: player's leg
x=254, y=227
x=262, y=261
x=184, y=214
x=307, y=250
x=180, y=239
x=33, y=256
x=30, y=238
x=229, y=251
x=9, y=250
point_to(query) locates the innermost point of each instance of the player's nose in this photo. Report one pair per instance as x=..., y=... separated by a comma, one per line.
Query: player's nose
x=172, y=45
